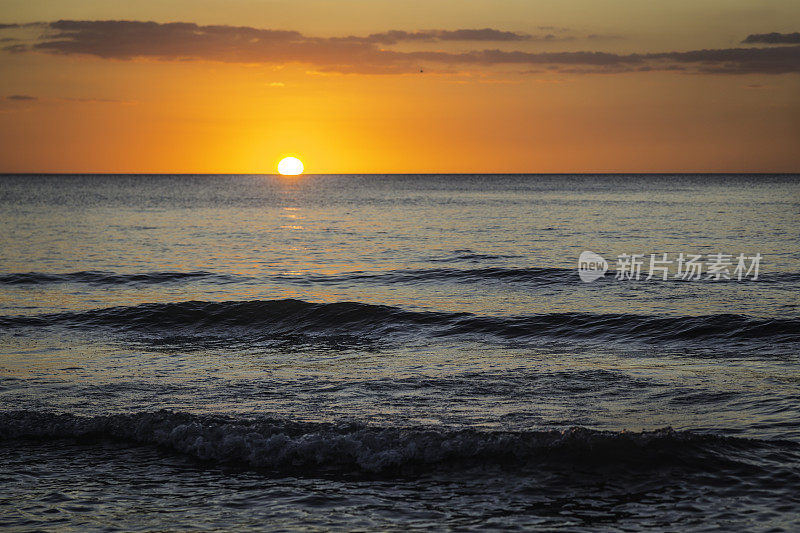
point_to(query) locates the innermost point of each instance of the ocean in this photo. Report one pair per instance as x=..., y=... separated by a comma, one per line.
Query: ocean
x=386, y=352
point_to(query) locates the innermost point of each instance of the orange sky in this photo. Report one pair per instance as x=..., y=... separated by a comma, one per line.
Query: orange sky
x=666, y=87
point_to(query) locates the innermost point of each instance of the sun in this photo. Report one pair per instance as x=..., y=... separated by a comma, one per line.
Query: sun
x=290, y=166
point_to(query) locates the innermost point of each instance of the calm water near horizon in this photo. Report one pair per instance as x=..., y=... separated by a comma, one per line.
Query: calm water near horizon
x=396, y=351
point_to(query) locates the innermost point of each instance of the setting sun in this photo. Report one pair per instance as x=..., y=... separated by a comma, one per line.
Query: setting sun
x=290, y=166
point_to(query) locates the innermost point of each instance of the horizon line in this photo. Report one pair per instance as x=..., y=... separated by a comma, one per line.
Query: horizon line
x=600, y=173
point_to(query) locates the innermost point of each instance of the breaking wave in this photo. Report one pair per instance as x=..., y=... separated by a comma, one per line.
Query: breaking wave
x=275, y=444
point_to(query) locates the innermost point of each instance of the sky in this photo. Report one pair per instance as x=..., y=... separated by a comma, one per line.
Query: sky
x=386, y=86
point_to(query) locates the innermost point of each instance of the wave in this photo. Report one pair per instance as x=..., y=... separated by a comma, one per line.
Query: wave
x=538, y=276
x=296, y=317
x=527, y=275
x=470, y=256
x=105, y=278
x=277, y=444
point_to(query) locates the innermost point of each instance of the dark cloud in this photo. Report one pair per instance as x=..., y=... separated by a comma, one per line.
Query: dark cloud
x=242, y=44
x=503, y=57
x=773, y=38
x=465, y=35
x=16, y=48
x=485, y=34
x=725, y=61
x=122, y=39
x=21, y=97
x=738, y=60
x=396, y=36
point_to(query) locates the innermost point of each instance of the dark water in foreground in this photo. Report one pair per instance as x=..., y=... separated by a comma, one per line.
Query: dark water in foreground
x=395, y=352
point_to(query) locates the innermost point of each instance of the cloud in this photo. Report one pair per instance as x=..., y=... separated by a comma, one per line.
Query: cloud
x=126, y=40
x=21, y=97
x=773, y=38
x=781, y=60
x=722, y=61
x=121, y=39
x=485, y=34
